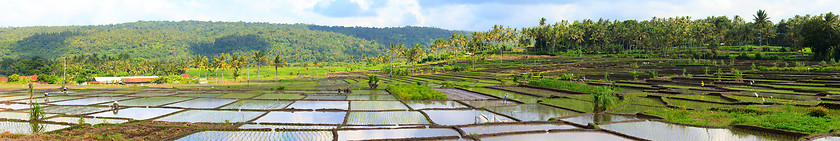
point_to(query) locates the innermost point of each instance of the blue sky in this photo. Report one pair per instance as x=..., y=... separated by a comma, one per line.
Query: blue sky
x=473, y=15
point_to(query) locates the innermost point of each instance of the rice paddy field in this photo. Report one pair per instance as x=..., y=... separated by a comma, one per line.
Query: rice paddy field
x=482, y=104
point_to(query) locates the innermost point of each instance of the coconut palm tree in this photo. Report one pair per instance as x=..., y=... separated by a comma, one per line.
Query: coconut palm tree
x=259, y=57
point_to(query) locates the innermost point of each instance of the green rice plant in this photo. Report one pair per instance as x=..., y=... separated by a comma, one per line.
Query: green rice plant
x=36, y=112
x=603, y=99
x=415, y=92
x=574, y=86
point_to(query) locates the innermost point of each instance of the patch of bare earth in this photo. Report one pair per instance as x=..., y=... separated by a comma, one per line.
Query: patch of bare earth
x=136, y=131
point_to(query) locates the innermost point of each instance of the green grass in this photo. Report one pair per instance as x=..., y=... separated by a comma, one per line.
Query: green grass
x=415, y=92
x=767, y=118
x=511, y=95
x=703, y=98
x=574, y=86
x=693, y=104
x=828, y=89
x=573, y=104
x=761, y=89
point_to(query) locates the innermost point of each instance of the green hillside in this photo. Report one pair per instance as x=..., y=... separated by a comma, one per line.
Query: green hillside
x=163, y=39
x=409, y=35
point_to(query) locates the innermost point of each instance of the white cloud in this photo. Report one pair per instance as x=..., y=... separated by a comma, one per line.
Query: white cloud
x=461, y=15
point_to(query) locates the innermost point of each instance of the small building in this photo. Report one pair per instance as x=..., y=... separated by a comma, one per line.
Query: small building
x=4, y=79
x=185, y=75
x=122, y=80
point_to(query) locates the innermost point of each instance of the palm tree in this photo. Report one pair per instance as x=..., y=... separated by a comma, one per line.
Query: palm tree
x=258, y=56
x=198, y=61
x=761, y=22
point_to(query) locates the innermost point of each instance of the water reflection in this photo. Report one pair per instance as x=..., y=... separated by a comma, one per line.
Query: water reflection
x=663, y=131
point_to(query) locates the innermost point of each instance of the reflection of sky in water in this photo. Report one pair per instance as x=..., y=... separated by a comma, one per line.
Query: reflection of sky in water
x=311, y=117
x=212, y=116
x=259, y=136
x=343, y=105
x=664, y=131
x=15, y=127
x=458, y=117
x=394, y=134
x=150, y=101
x=583, y=120
x=833, y=138
x=490, y=129
x=14, y=106
x=50, y=99
x=532, y=112
x=137, y=113
x=434, y=104
x=88, y=101
x=571, y=136
x=377, y=105
x=203, y=103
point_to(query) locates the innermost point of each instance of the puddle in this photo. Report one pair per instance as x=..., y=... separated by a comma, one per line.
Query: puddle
x=92, y=100
x=489, y=103
x=199, y=95
x=309, y=117
x=9, y=98
x=259, y=136
x=87, y=120
x=137, y=113
x=377, y=105
x=492, y=129
x=211, y=116
x=463, y=117
x=374, y=92
x=281, y=127
x=434, y=104
x=370, y=97
x=584, y=120
x=572, y=136
x=73, y=110
x=258, y=104
x=14, y=106
x=208, y=103
x=388, y=117
x=149, y=101
x=15, y=127
x=325, y=97
x=394, y=134
x=341, y=105
x=18, y=115
x=50, y=99
x=532, y=112
x=830, y=138
x=663, y=131
x=370, y=127
x=280, y=96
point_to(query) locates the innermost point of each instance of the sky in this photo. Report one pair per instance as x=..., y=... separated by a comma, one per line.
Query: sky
x=470, y=15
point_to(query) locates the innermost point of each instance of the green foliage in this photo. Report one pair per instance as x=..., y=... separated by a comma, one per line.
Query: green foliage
x=818, y=111
x=775, y=119
x=373, y=81
x=635, y=74
x=652, y=73
x=14, y=78
x=36, y=112
x=415, y=92
x=181, y=40
x=574, y=86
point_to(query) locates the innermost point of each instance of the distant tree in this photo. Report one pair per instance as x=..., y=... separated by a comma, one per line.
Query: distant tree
x=820, y=33
x=259, y=57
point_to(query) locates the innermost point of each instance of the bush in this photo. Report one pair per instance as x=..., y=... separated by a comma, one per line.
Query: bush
x=14, y=78
x=415, y=92
x=818, y=111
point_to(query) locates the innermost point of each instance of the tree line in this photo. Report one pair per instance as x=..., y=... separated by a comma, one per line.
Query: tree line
x=657, y=35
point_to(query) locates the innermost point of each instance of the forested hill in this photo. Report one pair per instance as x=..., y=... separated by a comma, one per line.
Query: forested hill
x=409, y=35
x=174, y=40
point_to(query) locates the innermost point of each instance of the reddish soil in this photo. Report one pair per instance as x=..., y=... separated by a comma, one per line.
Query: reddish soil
x=136, y=131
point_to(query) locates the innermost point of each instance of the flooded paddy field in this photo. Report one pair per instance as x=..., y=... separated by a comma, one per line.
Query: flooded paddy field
x=471, y=113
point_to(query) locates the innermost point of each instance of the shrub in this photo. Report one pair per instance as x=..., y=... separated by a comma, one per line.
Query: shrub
x=14, y=78
x=818, y=111
x=415, y=92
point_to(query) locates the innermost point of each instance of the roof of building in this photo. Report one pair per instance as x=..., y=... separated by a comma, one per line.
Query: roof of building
x=185, y=75
x=137, y=80
x=4, y=79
